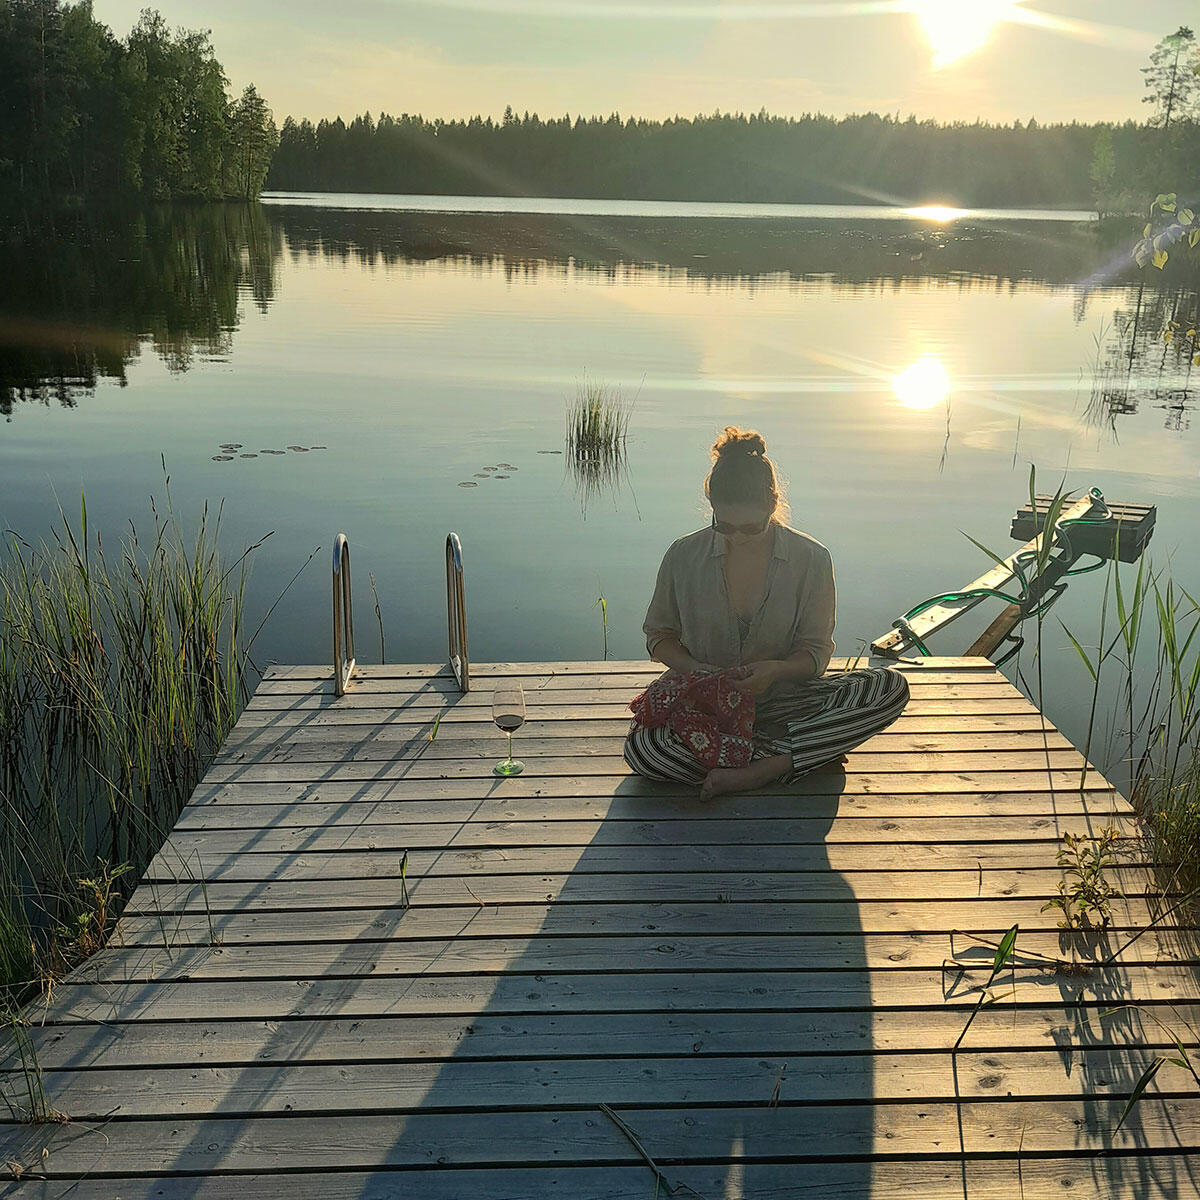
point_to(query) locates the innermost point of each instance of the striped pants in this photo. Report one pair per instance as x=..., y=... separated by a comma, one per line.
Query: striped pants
x=813, y=724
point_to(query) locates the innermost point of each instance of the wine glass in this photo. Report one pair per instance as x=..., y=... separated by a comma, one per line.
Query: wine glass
x=508, y=711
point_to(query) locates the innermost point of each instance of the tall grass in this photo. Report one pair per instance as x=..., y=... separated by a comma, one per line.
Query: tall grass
x=119, y=677
x=1150, y=667
x=597, y=421
x=597, y=428
x=1148, y=671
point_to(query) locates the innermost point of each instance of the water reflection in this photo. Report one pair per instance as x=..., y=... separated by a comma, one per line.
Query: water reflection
x=1145, y=357
x=938, y=212
x=731, y=250
x=84, y=291
x=924, y=384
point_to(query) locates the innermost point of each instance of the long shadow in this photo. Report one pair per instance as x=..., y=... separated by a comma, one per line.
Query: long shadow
x=705, y=1026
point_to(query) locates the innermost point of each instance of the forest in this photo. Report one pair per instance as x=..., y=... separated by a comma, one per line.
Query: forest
x=863, y=159
x=83, y=113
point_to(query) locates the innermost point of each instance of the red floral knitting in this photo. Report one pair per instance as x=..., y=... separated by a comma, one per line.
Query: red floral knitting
x=706, y=709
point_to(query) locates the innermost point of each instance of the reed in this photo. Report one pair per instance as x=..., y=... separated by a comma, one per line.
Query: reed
x=597, y=422
x=1152, y=666
x=119, y=677
x=596, y=433
x=1148, y=671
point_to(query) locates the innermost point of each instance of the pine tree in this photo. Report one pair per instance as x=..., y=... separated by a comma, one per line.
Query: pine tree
x=252, y=142
x=1172, y=78
x=1103, y=171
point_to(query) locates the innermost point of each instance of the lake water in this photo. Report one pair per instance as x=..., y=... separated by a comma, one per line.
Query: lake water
x=905, y=374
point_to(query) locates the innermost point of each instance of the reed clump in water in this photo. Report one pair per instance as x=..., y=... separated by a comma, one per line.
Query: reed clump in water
x=597, y=428
x=119, y=678
x=597, y=422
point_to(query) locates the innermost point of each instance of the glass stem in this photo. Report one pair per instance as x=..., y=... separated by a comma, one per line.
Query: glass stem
x=510, y=747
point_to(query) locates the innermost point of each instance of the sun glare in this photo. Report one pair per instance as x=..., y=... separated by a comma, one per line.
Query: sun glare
x=937, y=212
x=923, y=384
x=956, y=28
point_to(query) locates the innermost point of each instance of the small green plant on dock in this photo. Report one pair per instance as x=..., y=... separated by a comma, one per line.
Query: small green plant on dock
x=119, y=677
x=1004, y=957
x=1084, y=901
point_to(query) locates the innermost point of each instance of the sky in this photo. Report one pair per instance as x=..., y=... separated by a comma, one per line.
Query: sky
x=998, y=60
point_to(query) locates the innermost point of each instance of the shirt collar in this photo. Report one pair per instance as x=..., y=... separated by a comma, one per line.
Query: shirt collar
x=779, y=548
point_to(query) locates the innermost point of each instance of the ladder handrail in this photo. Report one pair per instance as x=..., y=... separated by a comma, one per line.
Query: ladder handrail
x=456, y=613
x=343, y=617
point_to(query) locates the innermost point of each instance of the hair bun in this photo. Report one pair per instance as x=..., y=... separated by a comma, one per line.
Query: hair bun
x=738, y=441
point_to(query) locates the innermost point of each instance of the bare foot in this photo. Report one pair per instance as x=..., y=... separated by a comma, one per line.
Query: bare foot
x=720, y=781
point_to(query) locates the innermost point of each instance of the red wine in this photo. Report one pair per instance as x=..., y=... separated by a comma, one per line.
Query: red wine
x=509, y=722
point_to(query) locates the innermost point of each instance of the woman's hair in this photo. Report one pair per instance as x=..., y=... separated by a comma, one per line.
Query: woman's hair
x=743, y=474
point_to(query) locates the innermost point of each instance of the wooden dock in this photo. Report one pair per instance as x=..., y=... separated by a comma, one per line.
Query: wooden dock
x=579, y=979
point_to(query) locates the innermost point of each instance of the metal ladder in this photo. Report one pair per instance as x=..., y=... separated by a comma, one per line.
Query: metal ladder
x=344, y=664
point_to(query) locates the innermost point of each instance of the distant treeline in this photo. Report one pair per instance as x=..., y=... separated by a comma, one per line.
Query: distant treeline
x=82, y=112
x=810, y=159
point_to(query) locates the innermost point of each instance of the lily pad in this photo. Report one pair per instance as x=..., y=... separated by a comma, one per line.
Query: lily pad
x=222, y=458
x=272, y=452
x=247, y=456
x=299, y=449
x=468, y=483
x=501, y=476
x=549, y=451
x=231, y=445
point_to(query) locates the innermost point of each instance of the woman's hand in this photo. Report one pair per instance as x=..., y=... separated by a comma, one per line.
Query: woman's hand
x=759, y=676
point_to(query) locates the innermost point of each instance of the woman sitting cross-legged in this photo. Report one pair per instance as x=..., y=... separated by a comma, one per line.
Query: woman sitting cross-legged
x=749, y=592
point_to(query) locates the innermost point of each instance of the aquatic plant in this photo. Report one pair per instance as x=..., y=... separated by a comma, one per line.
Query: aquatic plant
x=597, y=427
x=1155, y=657
x=23, y=1089
x=602, y=605
x=597, y=421
x=119, y=678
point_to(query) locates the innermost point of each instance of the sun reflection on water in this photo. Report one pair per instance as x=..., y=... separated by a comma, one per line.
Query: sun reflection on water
x=924, y=384
x=937, y=212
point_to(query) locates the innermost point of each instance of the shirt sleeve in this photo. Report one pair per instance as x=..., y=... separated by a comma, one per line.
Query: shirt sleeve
x=662, y=617
x=818, y=611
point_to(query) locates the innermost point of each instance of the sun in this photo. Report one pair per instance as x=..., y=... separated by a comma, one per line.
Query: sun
x=956, y=28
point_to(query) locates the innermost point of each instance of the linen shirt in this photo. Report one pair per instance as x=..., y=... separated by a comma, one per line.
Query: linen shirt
x=691, y=602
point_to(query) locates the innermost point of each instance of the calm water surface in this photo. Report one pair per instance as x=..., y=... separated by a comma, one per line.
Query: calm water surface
x=558, y=206
x=905, y=374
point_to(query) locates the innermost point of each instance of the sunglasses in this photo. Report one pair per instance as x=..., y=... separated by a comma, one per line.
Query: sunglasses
x=750, y=530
